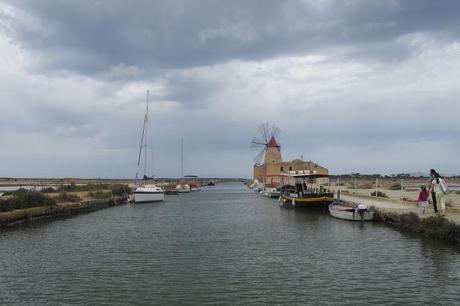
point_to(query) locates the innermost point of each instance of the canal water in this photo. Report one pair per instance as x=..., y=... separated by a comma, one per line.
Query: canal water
x=223, y=245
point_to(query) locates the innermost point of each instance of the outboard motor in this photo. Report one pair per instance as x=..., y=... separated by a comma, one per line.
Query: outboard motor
x=361, y=210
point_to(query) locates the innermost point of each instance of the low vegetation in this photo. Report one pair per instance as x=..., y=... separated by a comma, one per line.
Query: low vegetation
x=23, y=198
x=379, y=194
x=433, y=227
x=99, y=194
x=49, y=190
x=120, y=189
x=116, y=189
x=396, y=186
x=72, y=187
x=65, y=197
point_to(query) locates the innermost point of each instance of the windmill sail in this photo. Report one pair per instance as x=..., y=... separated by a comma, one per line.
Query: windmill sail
x=264, y=140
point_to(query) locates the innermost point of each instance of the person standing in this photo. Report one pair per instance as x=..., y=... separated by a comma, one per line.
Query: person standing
x=437, y=189
x=423, y=198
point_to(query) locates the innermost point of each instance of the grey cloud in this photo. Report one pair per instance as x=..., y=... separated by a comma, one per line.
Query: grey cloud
x=191, y=91
x=93, y=36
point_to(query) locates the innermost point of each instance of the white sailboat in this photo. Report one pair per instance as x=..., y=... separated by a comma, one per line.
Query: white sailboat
x=146, y=191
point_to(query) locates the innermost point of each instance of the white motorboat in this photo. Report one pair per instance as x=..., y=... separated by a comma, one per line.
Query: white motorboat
x=352, y=213
x=258, y=187
x=149, y=193
x=271, y=192
x=183, y=188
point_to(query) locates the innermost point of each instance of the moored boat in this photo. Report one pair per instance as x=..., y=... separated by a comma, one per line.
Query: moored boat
x=192, y=181
x=148, y=193
x=194, y=187
x=308, y=191
x=358, y=212
x=271, y=192
x=183, y=188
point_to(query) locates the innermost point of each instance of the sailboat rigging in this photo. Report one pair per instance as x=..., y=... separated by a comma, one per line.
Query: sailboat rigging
x=146, y=192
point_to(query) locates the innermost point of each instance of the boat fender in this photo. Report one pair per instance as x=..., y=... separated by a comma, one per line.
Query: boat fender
x=293, y=203
x=279, y=199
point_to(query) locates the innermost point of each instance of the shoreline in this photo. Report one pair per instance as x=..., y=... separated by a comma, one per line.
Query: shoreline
x=407, y=217
x=21, y=216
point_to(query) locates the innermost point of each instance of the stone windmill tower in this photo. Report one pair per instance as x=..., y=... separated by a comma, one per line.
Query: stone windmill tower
x=272, y=152
x=269, y=152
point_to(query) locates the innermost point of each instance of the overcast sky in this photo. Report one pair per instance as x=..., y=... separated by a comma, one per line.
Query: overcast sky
x=356, y=86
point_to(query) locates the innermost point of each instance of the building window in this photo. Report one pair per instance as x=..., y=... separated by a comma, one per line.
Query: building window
x=290, y=168
x=282, y=169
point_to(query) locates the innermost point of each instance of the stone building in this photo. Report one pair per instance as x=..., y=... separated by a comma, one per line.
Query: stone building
x=273, y=171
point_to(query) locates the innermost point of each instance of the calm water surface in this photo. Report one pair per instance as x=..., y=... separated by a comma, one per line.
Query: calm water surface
x=223, y=245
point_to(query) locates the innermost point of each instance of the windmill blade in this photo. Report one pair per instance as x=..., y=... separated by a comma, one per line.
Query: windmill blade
x=260, y=156
x=275, y=131
x=263, y=129
x=257, y=142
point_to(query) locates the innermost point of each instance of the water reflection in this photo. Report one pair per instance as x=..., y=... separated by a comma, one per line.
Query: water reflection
x=225, y=245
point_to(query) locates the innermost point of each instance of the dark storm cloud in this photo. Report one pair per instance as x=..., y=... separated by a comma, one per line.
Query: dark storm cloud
x=93, y=36
x=189, y=91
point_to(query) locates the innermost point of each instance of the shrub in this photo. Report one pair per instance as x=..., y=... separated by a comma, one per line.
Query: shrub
x=23, y=198
x=379, y=194
x=72, y=187
x=120, y=189
x=99, y=194
x=395, y=187
x=378, y=214
x=66, y=197
x=440, y=228
x=48, y=190
x=410, y=221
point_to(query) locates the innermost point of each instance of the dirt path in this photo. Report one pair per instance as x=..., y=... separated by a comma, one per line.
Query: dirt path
x=399, y=207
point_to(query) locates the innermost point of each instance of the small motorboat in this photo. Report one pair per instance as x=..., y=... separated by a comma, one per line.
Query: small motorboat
x=358, y=212
x=272, y=192
x=183, y=188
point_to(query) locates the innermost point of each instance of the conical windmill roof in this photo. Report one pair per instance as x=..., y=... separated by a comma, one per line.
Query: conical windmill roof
x=272, y=143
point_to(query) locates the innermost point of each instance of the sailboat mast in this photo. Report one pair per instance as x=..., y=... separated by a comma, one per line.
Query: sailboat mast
x=143, y=144
x=146, y=127
x=182, y=157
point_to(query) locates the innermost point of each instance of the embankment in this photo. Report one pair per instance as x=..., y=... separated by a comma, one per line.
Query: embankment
x=433, y=227
x=19, y=216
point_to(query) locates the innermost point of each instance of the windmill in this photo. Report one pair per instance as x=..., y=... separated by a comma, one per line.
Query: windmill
x=266, y=143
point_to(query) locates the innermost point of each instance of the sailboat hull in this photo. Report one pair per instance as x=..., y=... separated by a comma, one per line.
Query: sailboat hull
x=147, y=197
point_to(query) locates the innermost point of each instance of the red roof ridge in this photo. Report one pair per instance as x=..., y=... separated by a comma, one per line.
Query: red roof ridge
x=272, y=143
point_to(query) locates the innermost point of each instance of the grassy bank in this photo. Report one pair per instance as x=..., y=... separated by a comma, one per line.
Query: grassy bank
x=19, y=216
x=433, y=227
x=25, y=205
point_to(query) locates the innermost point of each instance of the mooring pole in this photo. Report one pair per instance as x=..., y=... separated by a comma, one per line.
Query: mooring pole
x=402, y=190
x=376, y=187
